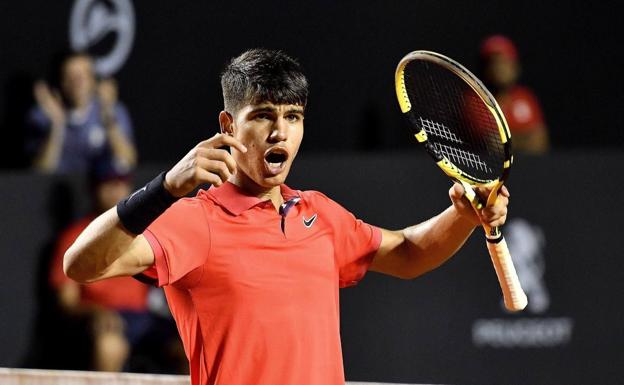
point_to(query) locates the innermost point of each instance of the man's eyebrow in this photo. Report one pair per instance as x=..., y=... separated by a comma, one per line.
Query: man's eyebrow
x=264, y=109
x=295, y=110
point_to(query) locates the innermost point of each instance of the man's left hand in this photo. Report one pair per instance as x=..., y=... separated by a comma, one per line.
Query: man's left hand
x=493, y=216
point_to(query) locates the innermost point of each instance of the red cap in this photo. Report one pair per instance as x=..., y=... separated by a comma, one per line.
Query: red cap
x=499, y=44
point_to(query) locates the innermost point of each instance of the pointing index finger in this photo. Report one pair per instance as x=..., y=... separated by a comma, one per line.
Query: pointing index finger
x=233, y=142
x=220, y=140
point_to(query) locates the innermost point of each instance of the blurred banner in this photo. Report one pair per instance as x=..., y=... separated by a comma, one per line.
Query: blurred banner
x=446, y=327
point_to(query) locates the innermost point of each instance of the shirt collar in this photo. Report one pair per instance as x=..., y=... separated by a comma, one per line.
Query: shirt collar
x=236, y=200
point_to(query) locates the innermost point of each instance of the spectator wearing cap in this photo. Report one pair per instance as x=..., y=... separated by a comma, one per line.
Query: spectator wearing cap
x=113, y=312
x=501, y=71
x=79, y=122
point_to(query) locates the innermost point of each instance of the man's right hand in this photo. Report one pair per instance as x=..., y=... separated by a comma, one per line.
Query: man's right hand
x=50, y=102
x=206, y=163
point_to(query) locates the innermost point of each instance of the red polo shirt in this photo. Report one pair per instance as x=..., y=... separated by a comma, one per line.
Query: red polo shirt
x=255, y=293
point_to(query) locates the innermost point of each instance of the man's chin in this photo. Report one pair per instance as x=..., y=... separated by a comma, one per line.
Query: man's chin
x=274, y=180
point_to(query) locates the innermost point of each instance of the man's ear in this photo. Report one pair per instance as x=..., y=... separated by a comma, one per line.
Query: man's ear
x=226, y=123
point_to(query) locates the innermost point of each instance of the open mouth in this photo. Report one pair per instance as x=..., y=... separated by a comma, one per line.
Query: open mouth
x=275, y=159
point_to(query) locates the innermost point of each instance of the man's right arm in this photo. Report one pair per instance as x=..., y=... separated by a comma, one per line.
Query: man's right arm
x=107, y=249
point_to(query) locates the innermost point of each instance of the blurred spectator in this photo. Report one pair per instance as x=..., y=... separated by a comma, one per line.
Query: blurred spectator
x=79, y=125
x=114, y=313
x=501, y=70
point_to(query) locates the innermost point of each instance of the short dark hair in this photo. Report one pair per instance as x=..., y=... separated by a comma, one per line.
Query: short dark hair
x=261, y=75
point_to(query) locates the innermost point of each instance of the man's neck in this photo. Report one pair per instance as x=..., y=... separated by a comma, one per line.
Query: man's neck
x=274, y=194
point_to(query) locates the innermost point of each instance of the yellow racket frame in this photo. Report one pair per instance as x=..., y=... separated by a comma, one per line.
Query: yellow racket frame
x=514, y=297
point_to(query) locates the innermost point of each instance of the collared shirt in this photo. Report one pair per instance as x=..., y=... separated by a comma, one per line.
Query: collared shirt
x=255, y=291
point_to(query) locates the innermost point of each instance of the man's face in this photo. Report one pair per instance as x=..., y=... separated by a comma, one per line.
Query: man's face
x=272, y=134
x=78, y=80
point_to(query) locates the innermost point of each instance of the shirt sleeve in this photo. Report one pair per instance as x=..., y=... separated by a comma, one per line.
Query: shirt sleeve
x=355, y=243
x=180, y=240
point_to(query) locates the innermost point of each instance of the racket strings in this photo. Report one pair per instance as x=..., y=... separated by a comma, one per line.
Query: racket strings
x=465, y=158
x=435, y=128
x=458, y=124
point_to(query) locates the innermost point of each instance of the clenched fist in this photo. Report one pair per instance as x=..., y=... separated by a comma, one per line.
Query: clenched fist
x=205, y=163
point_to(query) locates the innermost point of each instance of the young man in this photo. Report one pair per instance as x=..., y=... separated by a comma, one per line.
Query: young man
x=251, y=267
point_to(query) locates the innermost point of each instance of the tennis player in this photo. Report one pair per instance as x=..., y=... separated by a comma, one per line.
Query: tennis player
x=251, y=268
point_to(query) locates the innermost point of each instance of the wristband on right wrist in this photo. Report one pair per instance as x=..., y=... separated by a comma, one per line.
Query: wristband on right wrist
x=141, y=208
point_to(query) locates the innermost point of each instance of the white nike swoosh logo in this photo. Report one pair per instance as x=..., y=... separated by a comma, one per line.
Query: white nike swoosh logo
x=309, y=222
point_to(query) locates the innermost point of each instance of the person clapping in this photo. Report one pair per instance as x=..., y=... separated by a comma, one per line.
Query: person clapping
x=81, y=125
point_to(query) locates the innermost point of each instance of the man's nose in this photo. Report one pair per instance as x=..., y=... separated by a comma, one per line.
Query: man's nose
x=280, y=131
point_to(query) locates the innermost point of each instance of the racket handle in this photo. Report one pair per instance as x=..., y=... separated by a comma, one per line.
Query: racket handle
x=513, y=295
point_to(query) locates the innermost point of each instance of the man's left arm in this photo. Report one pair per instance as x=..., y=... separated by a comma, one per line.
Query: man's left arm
x=413, y=251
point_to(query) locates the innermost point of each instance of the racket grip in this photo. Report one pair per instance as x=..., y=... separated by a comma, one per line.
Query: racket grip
x=513, y=295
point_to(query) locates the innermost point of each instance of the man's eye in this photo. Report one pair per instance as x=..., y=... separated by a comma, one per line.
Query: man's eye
x=262, y=116
x=292, y=118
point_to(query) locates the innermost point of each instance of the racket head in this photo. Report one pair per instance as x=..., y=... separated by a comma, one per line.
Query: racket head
x=455, y=118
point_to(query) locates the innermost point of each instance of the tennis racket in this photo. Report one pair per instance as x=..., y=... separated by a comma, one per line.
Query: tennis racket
x=462, y=127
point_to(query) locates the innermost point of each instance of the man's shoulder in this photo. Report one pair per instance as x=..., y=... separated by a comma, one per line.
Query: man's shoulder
x=185, y=212
x=189, y=207
x=312, y=195
x=318, y=199
x=201, y=198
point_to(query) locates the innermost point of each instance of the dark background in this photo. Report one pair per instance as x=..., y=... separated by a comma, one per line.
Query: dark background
x=356, y=150
x=570, y=52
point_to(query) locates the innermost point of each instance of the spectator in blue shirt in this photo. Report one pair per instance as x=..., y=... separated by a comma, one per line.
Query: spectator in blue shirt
x=82, y=126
